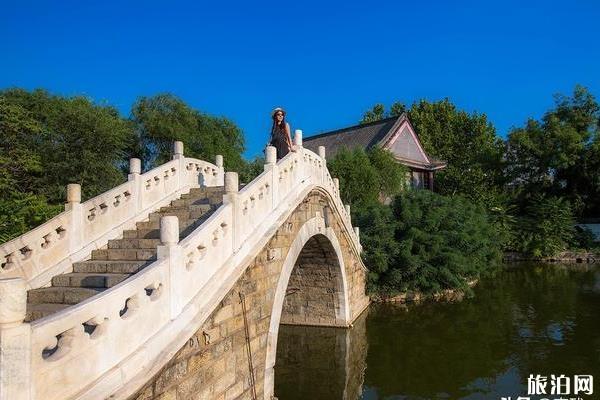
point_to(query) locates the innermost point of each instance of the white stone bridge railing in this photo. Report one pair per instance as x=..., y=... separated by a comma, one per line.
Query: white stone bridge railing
x=51, y=248
x=110, y=344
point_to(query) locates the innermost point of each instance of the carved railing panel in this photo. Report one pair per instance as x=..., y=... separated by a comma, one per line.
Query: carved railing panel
x=107, y=339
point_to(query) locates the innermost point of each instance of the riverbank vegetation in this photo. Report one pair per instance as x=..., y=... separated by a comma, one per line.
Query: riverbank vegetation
x=547, y=169
x=524, y=194
x=421, y=241
x=521, y=194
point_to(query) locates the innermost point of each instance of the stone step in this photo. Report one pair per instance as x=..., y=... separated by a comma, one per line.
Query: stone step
x=185, y=203
x=61, y=295
x=192, y=207
x=182, y=215
x=133, y=243
x=155, y=224
x=122, y=257
x=88, y=280
x=124, y=254
x=143, y=234
x=105, y=266
x=206, y=190
x=37, y=311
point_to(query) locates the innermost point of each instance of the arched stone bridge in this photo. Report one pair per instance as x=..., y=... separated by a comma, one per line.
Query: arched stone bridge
x=174, y=284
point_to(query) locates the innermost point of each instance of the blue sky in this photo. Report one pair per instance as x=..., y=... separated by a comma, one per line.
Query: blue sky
x=325, y=62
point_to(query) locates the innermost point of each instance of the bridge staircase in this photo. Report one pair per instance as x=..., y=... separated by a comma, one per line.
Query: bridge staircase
x=122, y=257
x=98, y=299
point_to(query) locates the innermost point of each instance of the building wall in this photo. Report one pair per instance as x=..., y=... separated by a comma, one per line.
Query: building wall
x=405, y=146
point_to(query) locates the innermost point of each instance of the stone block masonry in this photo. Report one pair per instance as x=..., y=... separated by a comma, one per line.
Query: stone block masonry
x=213, y=364
x=130, y=319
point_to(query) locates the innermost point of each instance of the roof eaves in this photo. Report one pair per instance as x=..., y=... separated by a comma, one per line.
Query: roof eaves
x=350, y=128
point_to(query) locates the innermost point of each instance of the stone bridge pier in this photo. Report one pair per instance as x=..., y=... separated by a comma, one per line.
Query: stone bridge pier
x=307, y=273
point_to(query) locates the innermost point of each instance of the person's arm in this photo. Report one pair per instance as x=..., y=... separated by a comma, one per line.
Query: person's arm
x=288, y=137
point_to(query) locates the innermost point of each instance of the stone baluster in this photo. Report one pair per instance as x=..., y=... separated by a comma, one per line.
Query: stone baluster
x=321, y=152
x=135, y=171
x=298, y=164
x=178, y=155
x=15, y=341
x=73, y=195
x=336, y=183
x=298, y=137
x=271, y=165
x=170, y=250
x=177, y=150
x=75, y=230
x=221, y=173
x=232, y=185
x=135, y=168
x=347, y=207
x=357, y=233
x=232, y=188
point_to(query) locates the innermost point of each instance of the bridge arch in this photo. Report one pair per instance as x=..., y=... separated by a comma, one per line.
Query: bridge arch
x=195, y=320
x=312, y=238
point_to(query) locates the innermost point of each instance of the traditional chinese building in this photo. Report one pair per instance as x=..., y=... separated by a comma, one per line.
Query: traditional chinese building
x=395, y=134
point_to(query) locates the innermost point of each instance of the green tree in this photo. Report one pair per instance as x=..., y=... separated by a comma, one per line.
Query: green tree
x=374, y=114
x=443, y=242
x=547, y=226
x=377, y=112
x=164, y=118
x=20, y=168
x=467, y=141
x=367, y=176
x=251, y=169
x=380, y=249
x=359, y=180
x=78, y=141
x=558, y=155
x=391, y=174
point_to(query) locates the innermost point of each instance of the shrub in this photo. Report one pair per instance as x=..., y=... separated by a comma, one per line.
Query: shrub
x=441, y=243
x=365, y=177
x=546, y=228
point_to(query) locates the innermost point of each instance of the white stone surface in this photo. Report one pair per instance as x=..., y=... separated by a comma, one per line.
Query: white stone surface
x=143, y=321
x=169, y=230
x=52, y=247
x=13, y=301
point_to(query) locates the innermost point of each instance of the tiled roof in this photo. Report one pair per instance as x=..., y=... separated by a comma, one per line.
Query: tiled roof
x=365, y=136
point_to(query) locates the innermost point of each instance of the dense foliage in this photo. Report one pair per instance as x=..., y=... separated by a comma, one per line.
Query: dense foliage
x=546, y=228
x=48, y=141
x=70, y=140
x=366, y=177
x=523, y=194
x=468, y=142
x=430, y=243
x=164, y=118
x=547, y=170
x=443, y=242
x=424, y=241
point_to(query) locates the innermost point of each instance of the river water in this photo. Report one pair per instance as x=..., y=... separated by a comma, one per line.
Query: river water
x=528, y=319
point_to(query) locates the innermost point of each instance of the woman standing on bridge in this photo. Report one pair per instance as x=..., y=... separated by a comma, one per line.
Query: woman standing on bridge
x=280, y=133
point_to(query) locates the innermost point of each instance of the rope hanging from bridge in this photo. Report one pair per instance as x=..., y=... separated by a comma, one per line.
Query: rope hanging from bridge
x=248, y=349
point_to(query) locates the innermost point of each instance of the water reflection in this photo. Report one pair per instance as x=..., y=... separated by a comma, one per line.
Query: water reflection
x=321, y=363
x=533, y=319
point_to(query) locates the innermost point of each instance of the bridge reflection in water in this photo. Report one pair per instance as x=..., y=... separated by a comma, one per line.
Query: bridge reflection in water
x=336, y=357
